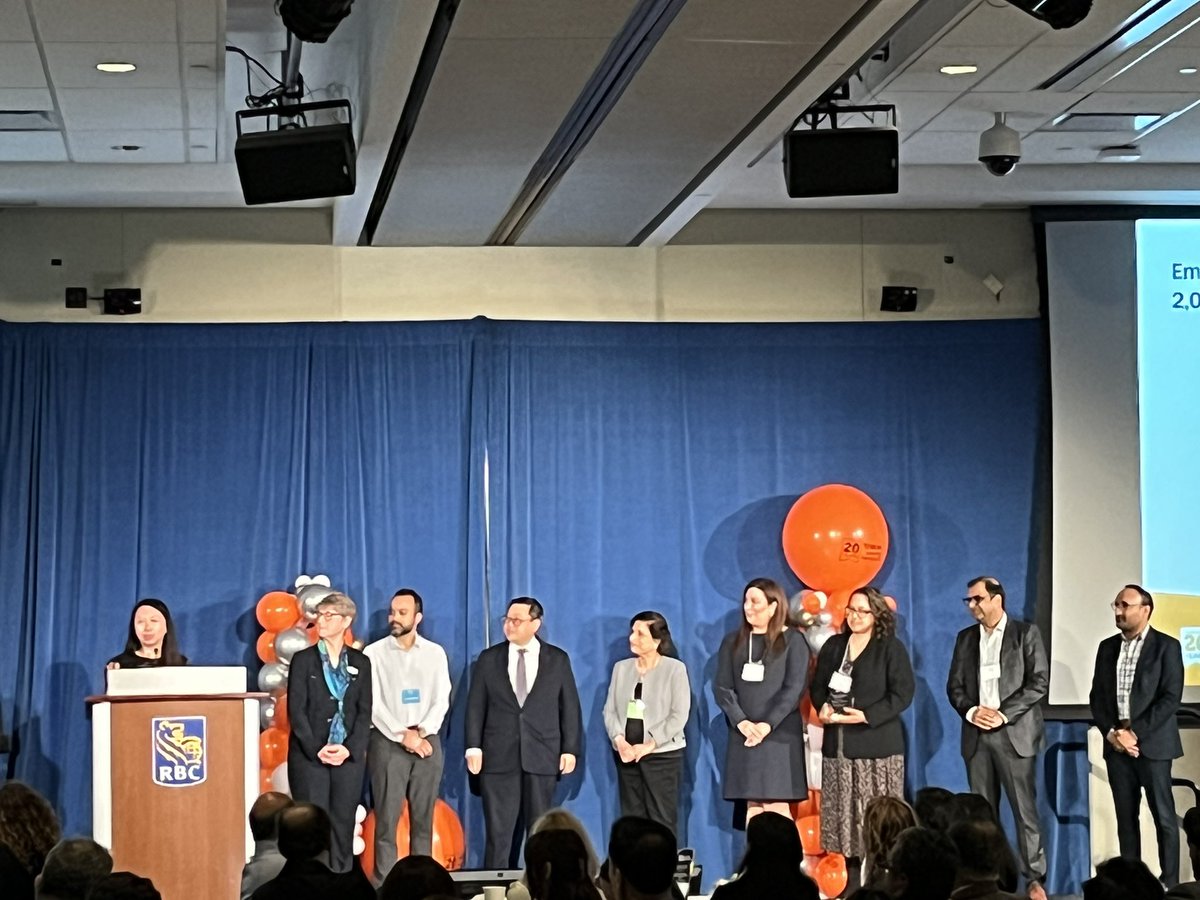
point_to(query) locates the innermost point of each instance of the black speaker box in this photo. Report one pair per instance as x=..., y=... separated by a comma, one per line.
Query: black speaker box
x=122, y=301
x=841, y=162
x=898, y=299
x=296, y=163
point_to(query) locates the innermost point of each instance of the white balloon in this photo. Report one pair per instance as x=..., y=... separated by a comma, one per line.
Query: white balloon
x=823, y=618
x=279, y=780
x=322, y=579
x=266, y=713
x=301, y=581
x=272, y=676
x=360, y=814
x=359, y=845
x=290, y=642
x=820, y=595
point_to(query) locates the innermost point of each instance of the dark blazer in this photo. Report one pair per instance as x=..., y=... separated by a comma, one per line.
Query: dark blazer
x=1154, y=700
x=883, y=688
x=311, y=706
x=1024, y=680
x=529, y=738
x=307, y=879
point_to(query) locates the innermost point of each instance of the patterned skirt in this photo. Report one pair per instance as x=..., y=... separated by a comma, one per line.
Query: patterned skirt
x=847, y=785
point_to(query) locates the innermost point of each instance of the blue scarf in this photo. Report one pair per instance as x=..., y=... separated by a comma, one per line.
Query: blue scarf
x=337, y=679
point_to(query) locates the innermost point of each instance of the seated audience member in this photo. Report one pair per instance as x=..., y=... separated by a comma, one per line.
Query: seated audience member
x=547, y=821
x=1190, y=890
x=72, y=866
x=974, y=808
x=267, y=861
x=1099, y=888
x=771, y=866
x=1133, y=876
x=28, y=829
x=305, y=838
x=883, y=820
x=870, y=894
x=417, y=878
x=641, y=860
x=123, y=886
x=922, y=865
x=936, y=808
x=556, y=867
x=981, y=846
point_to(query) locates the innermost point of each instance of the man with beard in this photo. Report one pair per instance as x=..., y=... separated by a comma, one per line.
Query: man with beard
x=411, y=696
x=1136, y=691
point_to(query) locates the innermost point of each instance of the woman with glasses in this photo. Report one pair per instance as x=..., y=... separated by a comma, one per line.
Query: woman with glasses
x=762, y=673
x=329, y=707
x=863, y=682
x=649, y=700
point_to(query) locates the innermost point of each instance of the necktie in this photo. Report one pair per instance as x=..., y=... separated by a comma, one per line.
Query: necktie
x=522, y=686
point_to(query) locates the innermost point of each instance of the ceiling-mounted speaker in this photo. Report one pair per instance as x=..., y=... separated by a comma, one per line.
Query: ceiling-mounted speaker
x=1055, y=13
x=898, y=298
x=841, y=162
x=122, y=301
x=295, y=161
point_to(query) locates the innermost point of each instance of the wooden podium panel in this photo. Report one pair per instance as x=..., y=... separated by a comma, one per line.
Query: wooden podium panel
x=188, y=838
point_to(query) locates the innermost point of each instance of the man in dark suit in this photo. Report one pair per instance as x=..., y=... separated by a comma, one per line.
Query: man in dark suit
x=999, y=676
x=523, y=728
x=1136, y=691
x=304, y=841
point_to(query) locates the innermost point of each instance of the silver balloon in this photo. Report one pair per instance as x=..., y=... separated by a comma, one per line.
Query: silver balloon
x=266, y=713
x=290, y=642
x=818, y=636
x=272, y=676
x=795, y=613
x=309, y=596
x=807, y=619
x=824, y=618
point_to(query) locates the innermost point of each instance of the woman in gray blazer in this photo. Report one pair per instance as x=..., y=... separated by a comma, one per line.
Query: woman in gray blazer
x=649, y=699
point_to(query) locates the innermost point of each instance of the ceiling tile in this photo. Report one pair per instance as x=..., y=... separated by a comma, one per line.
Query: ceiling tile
x=106, y=20
x=975, y=111
x=200, y=65
x=940, y=147
x=915, y=108
x=14, y=21
x=73, y=65
x=922, y=73
x=21, y=66
x=156, y=146
x=1028, y=68
x=24, y=99
x=1156, y=102
x=32, y=146
x=198, y=20
x=202, y=146
x=136, y=108
x=993, y=25
x=1158, y=71
x=202, y=109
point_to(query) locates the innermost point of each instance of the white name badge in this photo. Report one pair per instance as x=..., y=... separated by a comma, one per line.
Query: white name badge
x=752, y=672
x=840, y=682
x=989, y=671
x=635, y=709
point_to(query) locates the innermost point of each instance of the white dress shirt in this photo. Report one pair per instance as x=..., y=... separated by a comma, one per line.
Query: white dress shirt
x=532, y=651
x=1127, y=660
x=989, y=655
x=408, y=687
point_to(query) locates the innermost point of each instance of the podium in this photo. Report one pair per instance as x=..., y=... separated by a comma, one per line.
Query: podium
x=174, y=773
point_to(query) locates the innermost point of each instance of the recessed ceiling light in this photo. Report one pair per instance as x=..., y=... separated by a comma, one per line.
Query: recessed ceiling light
x=1188, y=70
x=964, y=69
x=115, y=68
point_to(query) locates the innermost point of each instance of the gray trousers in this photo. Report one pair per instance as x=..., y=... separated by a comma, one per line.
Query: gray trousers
x=396, y=776
x=995, y=764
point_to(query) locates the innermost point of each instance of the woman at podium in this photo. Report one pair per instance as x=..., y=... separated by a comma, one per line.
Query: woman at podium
x=151, y=640
x=329, y=707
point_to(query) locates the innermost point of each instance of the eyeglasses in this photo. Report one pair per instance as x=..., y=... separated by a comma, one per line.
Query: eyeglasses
x=972, y=600
x=510, y=620
x=851, y=611
x=1121, y=605
x=330, y=614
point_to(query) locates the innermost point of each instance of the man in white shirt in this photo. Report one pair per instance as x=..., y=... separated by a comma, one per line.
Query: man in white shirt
x=411, y=694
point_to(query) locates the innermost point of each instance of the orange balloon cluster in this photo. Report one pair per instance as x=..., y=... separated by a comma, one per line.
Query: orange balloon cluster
x=835, y=538
x=828, y=870
x=276, y=611
x=449, y=841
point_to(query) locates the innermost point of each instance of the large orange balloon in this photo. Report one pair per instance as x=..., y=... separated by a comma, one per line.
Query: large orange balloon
x=449, y=842
x=830, y=874
x=810, y=835
x=277, y=610
x=266, y=647
x=835, y=537
x=272, y=748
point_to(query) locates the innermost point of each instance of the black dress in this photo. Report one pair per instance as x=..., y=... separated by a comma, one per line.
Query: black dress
x=130, y=660
x=775, y=769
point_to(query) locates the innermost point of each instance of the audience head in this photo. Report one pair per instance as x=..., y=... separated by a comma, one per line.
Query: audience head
x=124, y=886
x=416, y=878
x=980, y=846
x=934, y=807
x=264, y=814
x=1133, y=876
x=641, y=858
x=28, y=825
x=922, y=865
x=1100, y=888
x=72, y=866
x=559, y=818
x=883, y=820
x=304, y=831
x=556, y=867
x=973, y=808
x=1191, y=828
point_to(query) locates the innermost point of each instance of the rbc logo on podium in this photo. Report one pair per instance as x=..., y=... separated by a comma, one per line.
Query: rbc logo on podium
x=179, y=743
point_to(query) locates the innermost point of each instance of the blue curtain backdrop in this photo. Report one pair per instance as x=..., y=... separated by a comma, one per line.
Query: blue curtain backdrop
x=630, y=466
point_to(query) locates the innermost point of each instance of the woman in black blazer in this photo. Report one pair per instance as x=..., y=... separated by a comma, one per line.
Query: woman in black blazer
x=329, y=708
x=862, y=684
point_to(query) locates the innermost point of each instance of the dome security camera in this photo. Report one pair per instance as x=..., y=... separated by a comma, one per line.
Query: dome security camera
x=1000, y=148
